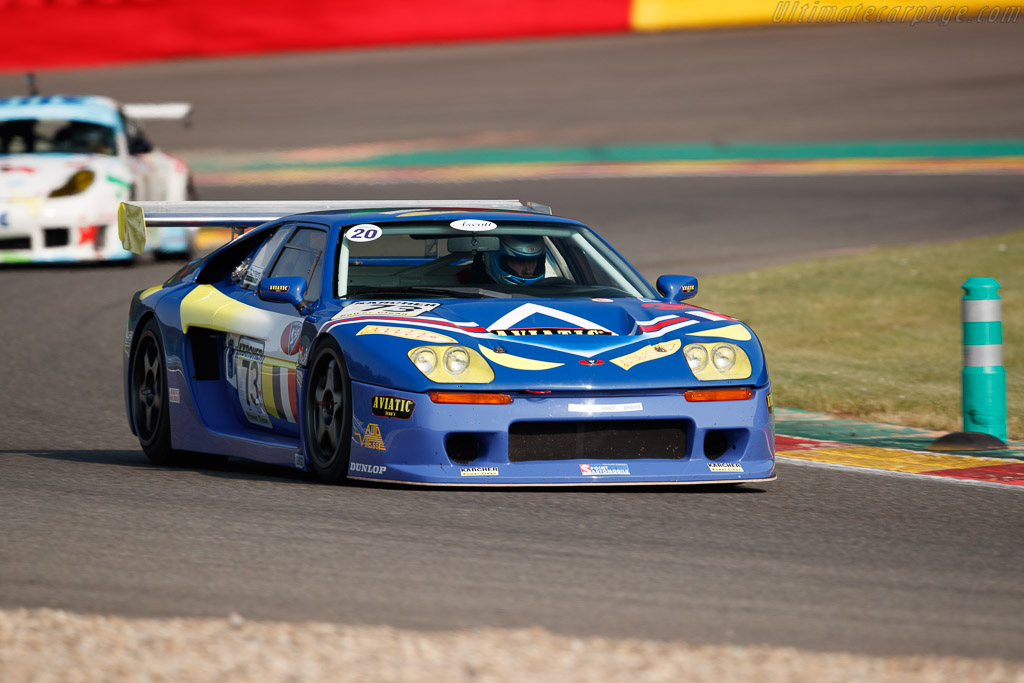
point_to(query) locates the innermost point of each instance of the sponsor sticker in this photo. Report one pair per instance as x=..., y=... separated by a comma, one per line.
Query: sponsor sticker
x=604, y=469
x=278, y=288
x=473, y=225
x=367, y=469
x=647, y=353
x=290, y=338
x=366, y=232
x=245, y=371
x=667, y=307
x=591, y=361
x=725, y=467
x=604, y=301
x=605, y=408
x=478, y=471
x=399, y=309
x=300, y=461
x=534, y=331
x=174, y=394
x=371, y=438
x=407, y=333
x=393, y=406
x=576, y=325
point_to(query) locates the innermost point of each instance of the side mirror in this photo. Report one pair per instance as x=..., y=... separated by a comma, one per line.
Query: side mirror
x=139, y=146
x=283, y=290
x=677, y=287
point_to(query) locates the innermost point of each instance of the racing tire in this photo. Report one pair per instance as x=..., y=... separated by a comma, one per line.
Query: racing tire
x=147, y=386
x=327, y=413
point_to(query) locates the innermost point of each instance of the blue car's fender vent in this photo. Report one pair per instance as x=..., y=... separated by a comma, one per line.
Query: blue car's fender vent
x=597, y=440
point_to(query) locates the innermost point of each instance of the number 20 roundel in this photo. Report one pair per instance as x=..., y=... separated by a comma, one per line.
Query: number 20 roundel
x=366, y=232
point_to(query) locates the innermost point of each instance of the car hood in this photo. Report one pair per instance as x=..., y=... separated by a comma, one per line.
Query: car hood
x=24, y=176
x=563, y=337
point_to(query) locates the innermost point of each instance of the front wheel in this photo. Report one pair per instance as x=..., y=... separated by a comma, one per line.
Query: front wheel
x=328, y=413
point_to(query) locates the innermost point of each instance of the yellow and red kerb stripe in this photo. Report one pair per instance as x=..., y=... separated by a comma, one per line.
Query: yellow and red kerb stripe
x=995, y=470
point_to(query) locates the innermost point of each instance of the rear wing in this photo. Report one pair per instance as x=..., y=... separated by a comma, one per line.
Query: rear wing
x=162, y=111
x=133, y=219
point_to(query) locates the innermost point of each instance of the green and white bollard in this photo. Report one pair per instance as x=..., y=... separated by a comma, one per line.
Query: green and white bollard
x=984, y=378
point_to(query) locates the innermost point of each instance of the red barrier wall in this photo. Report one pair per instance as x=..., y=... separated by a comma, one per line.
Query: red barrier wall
x=68, y=33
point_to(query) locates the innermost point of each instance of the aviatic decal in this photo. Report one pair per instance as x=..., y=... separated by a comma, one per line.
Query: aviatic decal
x=393, y=406
x=506, y=325
x=648, y=353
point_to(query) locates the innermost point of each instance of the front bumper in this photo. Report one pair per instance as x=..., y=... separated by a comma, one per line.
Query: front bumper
x=725, y=441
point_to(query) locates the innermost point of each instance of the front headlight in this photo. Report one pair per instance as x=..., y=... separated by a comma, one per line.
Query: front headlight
x=696, y=357
x=459, y=365
x=717, y=361
x=79, y=182
x=424, y=359
x=456, y=360
x=723, y=357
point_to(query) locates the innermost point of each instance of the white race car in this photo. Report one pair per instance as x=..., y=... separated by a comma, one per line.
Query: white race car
x=67, y=162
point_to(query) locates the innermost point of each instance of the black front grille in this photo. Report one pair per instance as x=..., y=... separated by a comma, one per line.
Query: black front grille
x=16, y=243
x=597, y=440
x=56, y=237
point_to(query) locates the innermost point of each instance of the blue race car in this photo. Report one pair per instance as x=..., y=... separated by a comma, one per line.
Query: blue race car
x=442, y=342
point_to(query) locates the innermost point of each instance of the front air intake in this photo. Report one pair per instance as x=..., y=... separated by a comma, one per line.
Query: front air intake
x=597, y=440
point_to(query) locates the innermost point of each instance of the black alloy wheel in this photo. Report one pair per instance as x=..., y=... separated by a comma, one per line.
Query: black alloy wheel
x=148, y=387
x=328, y=413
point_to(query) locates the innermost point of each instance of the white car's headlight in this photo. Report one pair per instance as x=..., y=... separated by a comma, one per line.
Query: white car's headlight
x=79, y=182
x=717, y=361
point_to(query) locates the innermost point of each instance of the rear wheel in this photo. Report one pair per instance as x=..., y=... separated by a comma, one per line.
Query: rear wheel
x=148, y=387
x=328, y=413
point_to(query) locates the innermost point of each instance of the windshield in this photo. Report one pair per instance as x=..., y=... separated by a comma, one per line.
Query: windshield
x=541, y=260
x=55, y=136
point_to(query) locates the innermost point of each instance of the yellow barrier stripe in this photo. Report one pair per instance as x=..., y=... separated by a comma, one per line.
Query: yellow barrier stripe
x=664, y=15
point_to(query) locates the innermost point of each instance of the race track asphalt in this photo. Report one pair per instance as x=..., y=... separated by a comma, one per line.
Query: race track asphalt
x=824, y=559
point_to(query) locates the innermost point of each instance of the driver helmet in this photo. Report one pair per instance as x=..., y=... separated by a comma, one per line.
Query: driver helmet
x=519, y=260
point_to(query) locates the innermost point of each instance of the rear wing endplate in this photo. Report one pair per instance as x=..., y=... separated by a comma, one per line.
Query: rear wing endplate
x=133, y=219
x=159, y=111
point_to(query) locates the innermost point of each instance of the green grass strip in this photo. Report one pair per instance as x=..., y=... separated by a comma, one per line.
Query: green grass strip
x=877, y=336
x=923, y=149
